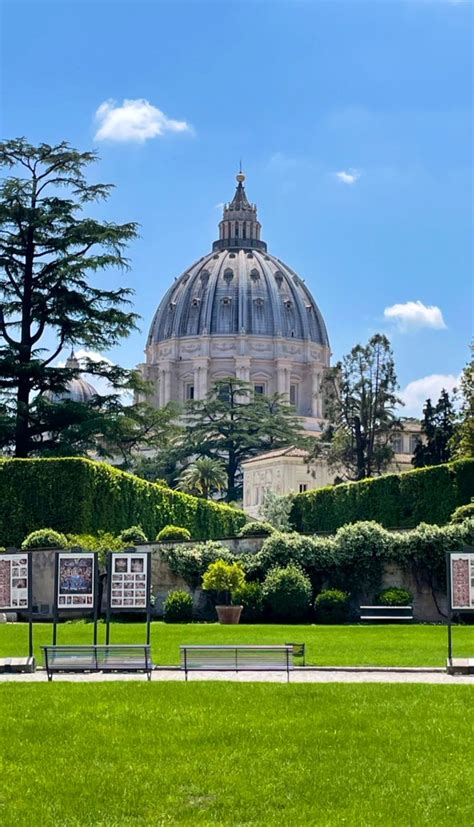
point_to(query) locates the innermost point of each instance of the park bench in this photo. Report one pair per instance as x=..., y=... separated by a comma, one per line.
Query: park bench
x=126, y=658
x=387, y=614
x=237, y=659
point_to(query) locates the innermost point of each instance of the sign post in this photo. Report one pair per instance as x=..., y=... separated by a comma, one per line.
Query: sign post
x=460, y=585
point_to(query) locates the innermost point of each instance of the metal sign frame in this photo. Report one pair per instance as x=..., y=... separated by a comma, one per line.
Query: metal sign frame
x=466, y=550
x=111, y=555
x=29, y=594
x=94, y=611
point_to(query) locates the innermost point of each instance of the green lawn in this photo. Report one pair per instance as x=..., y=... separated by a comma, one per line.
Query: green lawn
x=228, y=754
x=392, y=645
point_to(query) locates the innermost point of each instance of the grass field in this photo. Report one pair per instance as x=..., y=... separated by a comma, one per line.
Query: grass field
x=158, y=754
x=414, y=645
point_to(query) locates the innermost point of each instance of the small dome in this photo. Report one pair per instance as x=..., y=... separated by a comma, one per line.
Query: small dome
x=77, y=389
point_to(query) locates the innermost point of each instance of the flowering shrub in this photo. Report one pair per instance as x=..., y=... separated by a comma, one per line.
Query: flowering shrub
x=190, y=562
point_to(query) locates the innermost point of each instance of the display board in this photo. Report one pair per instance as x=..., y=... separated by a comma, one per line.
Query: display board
x=75, y=581
x=462, y=581
x=129, y=581
x=14, y=580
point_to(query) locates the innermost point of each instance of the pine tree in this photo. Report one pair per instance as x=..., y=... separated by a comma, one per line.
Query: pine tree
x=49, y=251
x=359, y=397
x=438, y=426
x=232, y=424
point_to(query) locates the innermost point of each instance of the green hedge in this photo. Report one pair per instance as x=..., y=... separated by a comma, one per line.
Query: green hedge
x=404, y=500
x=79, y=496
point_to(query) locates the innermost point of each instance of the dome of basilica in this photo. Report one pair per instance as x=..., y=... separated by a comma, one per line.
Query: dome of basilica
x=77, y=389
x=238, y=311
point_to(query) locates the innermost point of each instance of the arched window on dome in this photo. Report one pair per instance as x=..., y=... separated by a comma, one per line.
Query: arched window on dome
x=228, y=275
x=244, y=231
x=236, y=230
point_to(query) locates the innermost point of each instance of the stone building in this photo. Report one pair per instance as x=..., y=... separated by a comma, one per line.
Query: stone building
x=239, y=311
x=286, y=471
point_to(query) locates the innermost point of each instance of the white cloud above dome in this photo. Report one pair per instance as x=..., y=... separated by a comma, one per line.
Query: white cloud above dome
x=134, y=121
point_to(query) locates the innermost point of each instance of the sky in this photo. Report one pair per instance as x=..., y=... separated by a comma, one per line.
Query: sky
x=353, y=121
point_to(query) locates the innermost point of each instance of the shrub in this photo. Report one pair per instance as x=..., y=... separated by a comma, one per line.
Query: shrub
x=287, y=593
x=394, y=500
x=173, y=533
x=178, y=607
x=332, y=606
x=250, y=596
x=133, y=535
x=190, y=562
x=224, y=578
x=45, y=538
x=463, y=513
x=394, y=596
x=256, y=529
x=79, y=496
x=103, y=542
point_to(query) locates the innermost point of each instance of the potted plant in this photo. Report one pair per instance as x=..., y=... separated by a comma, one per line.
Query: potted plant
x=224, y=578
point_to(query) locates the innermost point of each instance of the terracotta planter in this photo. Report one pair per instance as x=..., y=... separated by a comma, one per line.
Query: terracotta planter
x=229, y=614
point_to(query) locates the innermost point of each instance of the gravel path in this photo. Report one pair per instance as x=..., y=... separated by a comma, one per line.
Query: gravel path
x=298, y=676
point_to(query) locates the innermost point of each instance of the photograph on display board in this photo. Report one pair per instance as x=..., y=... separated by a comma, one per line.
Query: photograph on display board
x=76, y=581
x=128, y=580
x=13, y=581
x=462, y=580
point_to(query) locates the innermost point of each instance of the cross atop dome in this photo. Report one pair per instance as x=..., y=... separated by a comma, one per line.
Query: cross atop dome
x=239, y=227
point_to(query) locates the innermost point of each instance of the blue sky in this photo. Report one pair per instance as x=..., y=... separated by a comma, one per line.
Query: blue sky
x=353, y=120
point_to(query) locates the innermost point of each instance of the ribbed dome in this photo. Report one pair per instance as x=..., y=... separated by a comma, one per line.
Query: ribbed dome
x=239, y=288
x=234, y=291
x=77, y=389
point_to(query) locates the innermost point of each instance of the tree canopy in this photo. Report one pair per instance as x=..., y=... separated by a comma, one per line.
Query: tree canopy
x=438, y=427
x=49, y=252
x=359, y=397
x=233, y=424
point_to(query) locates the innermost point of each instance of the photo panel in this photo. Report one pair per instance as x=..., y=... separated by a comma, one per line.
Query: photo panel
x=13, y=581
x=462, y=581
x=129, y=580
x=76, y=581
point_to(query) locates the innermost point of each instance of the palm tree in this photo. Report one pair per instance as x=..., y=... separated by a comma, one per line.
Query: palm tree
x=202, y=477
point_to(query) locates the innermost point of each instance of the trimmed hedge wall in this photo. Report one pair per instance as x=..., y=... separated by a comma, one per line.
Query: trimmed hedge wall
x=79, y=496
x=427, y=495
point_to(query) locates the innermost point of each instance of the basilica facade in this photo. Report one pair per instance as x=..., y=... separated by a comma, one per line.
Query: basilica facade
x=239, y=311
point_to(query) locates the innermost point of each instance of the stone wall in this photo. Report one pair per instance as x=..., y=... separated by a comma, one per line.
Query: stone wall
x=428, y=606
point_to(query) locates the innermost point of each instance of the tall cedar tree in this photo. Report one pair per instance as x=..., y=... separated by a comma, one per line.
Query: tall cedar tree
x=438, y=426
x=462, y=442
x=359, y=402
x=48, y=251
x=232, y=424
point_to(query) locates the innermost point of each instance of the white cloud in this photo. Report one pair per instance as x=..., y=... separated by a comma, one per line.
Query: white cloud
x=415, y=394
x=135, y=120
x=350, y=176
x=415, y=315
